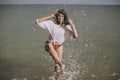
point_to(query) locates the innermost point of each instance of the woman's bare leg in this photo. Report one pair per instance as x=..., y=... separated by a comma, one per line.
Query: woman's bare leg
x=54, y=55
x=60, y=53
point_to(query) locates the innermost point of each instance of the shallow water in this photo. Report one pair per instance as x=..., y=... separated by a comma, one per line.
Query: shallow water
x=95, y=55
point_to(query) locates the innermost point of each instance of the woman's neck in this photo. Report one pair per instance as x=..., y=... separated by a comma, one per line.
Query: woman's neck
x=61, y=25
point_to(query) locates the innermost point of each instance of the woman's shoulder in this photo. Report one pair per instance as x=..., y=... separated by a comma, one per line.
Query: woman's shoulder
x=68, y=27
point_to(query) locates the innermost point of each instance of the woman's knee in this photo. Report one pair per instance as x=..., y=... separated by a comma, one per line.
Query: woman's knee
x=47, y=47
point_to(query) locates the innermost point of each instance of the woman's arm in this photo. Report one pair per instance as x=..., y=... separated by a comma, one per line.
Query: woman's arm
x=75, y=34
x=44, y=18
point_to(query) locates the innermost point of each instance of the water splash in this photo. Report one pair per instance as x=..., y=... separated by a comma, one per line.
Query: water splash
x=19, y=79
x=83, y=12
x=74, y=68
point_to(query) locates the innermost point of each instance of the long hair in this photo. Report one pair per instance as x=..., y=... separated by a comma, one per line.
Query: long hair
x=65, y=21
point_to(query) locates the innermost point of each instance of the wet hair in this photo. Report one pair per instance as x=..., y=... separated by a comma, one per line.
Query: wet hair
x=65, y=21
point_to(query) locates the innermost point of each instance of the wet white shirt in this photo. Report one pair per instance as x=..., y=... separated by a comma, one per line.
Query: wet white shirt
x=57, y=34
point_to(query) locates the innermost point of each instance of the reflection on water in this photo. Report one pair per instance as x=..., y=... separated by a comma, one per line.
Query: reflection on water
x=93, y=56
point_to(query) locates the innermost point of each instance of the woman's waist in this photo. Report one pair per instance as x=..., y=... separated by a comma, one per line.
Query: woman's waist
x=56, y=45
x=56, y=42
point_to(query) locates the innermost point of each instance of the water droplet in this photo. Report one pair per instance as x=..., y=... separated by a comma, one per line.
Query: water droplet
x=83, y=11
x=24, y=78
x=104, y=57
x=43, y=78
x=93, y=75
x=87, y=28
x=84, y=14
x=86, y=45
x=14, y=79
x=100, y=49
x=114, y=74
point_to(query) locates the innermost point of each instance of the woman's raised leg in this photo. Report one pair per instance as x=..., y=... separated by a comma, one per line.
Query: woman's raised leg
x=54, y=54
x=60, y=54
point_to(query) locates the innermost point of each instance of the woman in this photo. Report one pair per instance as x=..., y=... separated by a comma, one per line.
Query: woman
x=59, y=28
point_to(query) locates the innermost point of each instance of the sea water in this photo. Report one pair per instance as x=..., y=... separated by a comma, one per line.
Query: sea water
x=95, y=55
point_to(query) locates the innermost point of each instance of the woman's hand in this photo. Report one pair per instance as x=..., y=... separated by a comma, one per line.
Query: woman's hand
x=52, y=15
x=70, y=21
x=36, y=21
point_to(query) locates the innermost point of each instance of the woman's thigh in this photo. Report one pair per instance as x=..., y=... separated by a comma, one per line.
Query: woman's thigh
x=60, y=52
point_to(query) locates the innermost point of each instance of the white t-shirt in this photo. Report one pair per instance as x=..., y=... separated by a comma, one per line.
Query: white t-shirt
x=57, y=34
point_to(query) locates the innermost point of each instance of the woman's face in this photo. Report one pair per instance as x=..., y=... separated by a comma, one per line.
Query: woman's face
x=60, y=18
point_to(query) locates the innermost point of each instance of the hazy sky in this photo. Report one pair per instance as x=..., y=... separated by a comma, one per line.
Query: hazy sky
x=104, y=2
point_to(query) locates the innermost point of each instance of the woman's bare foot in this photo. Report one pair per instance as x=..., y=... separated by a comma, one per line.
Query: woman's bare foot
x=57, y=68
x=63, y=66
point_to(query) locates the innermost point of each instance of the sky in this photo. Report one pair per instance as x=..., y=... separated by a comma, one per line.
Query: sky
x=87, y=2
